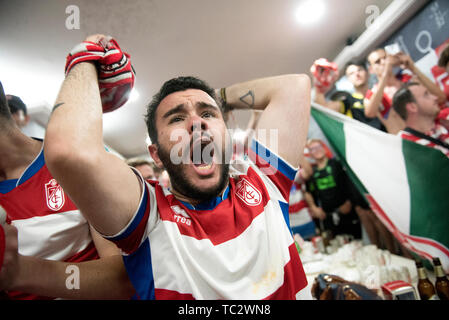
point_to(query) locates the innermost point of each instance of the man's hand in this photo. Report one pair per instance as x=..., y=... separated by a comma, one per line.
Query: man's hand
x=345, y=208
x=405, y=61
x=390, y=62
x=100, y=39
x=10, y=266
x=116, y=75
x=324, y=74
x=318, y=213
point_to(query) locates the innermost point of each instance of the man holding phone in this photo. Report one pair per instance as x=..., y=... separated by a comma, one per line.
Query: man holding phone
x=388, y=65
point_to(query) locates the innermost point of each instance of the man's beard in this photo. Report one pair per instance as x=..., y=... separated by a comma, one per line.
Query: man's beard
x=182, y=185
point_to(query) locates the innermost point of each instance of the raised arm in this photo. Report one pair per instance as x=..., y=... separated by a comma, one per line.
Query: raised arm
x=373, y=103
x=285, y=101
x=433, y=88
x=102, y=186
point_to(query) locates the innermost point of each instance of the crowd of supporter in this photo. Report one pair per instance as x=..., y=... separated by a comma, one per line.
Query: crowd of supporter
x=403, y=101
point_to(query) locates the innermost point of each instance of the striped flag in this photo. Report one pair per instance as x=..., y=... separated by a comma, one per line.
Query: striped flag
x=406, y=184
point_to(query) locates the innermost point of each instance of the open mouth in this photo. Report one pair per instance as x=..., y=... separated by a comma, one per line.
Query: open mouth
x=202, y=155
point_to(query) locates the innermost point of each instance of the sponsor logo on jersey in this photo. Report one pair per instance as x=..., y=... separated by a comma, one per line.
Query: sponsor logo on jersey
x=248, y=193
x=54, y=195
x=181, y=215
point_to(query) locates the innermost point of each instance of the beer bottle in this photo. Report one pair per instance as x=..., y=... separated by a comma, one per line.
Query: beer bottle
x=350, y=294
x=441, y=283
x=425, y=287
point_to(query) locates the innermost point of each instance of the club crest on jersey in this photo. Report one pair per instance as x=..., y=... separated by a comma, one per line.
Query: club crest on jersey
x=54, y=195
x=248, y=193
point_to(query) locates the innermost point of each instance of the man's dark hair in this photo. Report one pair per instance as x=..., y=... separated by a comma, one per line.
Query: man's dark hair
x=444, y=58
x=5, y=113
x=139, y=162
x=169, y=87
x=371, y=51
x=16, y=104
x=361, y=64
x=402, y=97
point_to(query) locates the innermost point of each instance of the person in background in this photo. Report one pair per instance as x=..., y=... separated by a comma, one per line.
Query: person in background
x=348, y=104
x=18, y=110
x=443, y=60
x=145, y=167
x=330, y=189
x=390, y=72
x=419, y=108
x=300, y=215
x=51, y=233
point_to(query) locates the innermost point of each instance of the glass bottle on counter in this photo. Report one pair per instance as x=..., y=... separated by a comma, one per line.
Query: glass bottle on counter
x=441, y=283
x=425, y=287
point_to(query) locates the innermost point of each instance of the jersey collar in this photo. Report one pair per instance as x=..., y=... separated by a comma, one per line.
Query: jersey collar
x=210, y=204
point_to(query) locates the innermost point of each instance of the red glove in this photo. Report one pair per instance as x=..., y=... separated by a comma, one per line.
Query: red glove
x=116, y=75
x=325, y=73
x=85, y=51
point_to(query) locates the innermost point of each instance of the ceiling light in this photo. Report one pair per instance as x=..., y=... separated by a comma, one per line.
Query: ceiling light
x=310, y=11
x=35, y=89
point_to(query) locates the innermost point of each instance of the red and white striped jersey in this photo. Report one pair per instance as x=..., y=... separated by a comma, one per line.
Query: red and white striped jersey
x=387, y=98
x=438, y=132
x=48, y=223
x=236, y=246
x=299, y=213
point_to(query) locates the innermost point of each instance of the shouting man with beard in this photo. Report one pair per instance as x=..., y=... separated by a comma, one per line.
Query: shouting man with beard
x=221, y=230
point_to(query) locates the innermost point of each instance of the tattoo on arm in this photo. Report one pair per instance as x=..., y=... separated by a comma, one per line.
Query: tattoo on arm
x=57, y=106
x=248, y=98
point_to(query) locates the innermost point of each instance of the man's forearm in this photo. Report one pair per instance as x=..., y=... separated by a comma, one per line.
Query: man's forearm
x=78, y=106
x=430, y=85
x=255, y=94
x=321, y=100
x=285, y=101
x=372, y=106
x=105, y=278
x=306, y=167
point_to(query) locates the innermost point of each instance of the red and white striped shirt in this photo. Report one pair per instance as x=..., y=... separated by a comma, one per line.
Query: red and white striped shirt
x=237, y=246
x=48, y=223
x=387, y=96
x=438, y=132
x=299, y=213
